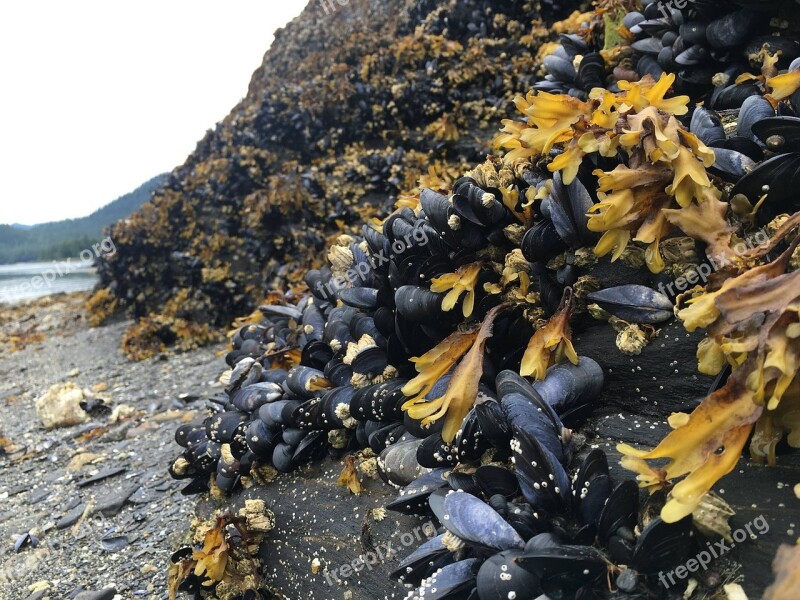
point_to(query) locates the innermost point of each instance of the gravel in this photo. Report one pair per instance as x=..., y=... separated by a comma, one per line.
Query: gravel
x=106, y=528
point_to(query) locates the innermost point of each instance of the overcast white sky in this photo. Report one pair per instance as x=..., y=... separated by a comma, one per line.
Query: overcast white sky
x=96, y=97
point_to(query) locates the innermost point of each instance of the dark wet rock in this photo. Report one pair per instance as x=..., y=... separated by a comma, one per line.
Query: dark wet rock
x=38, y=495
x=71, y=517
x=112, y=503
x=104, y=474
x=106, y=594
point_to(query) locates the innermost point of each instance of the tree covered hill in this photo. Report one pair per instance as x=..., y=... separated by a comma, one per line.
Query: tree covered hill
x=61, y=239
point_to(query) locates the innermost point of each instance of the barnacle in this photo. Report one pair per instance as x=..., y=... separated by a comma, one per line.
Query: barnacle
x=551, y=343
x=455, y=284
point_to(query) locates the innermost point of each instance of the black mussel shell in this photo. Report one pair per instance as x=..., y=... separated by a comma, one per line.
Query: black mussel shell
x=221, y=427
x=418, y=304
x=497, y=480
x=564, y=569
x=779, y=177
x=451, y=582
x=250, y=398
x=501, y=576
x=663, y=545
x=754, y=109
x=779, y=134
x=429, y=557
x=592, y=487
x=634, y=303
x=472, y=520
x=620, y=512
x=434, y=452
x=360, y=297
x=542, y=242
x=707, y=125
x=732, y=29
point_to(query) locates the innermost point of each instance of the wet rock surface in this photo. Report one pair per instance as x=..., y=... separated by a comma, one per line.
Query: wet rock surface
x=102, y=513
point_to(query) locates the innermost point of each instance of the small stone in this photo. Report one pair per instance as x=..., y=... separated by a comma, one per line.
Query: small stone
x=71, y=517
x=104, y=474
x=106, y=594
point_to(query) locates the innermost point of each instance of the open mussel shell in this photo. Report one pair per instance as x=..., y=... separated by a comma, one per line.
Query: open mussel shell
x=501, y=577
x=474, y=521
x=250, y=398
x=779, y=134
x=634, y=303
x=427, y=558
x=450, y=582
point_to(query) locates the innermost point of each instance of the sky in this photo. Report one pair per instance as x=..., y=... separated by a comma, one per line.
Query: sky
x=97, y=97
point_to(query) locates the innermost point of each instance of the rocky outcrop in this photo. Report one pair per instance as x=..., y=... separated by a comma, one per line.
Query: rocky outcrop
x=344, y=116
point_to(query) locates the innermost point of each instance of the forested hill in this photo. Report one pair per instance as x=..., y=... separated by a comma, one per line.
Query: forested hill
x=60, y=239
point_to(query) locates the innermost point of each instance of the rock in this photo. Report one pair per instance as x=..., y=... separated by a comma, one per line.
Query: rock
x=60, y=406
x=106, y=594
x=104, y=474
x=112, y=503
x=71, y=517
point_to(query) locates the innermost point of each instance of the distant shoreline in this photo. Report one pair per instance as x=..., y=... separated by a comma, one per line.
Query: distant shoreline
x=31, y=280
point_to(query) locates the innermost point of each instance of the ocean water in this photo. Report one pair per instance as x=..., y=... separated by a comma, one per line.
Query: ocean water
x=25, y=281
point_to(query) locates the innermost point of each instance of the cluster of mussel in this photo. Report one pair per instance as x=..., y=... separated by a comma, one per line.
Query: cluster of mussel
x=761, y=131
x=708, y=44
x=325, y=374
